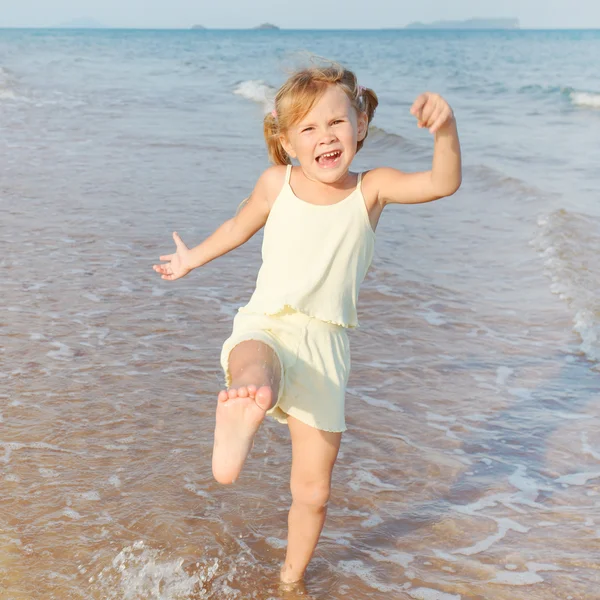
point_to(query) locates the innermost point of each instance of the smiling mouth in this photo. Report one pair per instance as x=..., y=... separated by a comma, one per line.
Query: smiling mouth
x=329, y=159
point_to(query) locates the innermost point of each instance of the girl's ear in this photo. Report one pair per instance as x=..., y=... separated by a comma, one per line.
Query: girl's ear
x=289, y=149
x=363, y=126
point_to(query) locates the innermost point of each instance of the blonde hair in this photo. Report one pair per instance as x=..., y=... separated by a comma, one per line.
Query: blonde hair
x=301, y=92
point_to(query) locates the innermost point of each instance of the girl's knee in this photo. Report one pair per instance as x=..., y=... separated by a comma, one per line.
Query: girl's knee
x=311, y=493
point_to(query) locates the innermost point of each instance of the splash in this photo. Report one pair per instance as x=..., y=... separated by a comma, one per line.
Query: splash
x=141, y=573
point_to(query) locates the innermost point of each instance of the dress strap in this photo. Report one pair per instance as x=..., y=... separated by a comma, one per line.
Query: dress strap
x=288, y=172
x=359, y=181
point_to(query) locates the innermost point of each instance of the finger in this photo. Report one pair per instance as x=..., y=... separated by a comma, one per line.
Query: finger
x=178, y=241
x=439, y=122
x=427, y=113
x=163, y=269
x=418, y=105
x=435, y=115
x=444, y=117
x=167, y=258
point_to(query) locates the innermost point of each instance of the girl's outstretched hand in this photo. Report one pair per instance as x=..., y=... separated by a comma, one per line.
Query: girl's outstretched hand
x=432, y=111
x=177, y=264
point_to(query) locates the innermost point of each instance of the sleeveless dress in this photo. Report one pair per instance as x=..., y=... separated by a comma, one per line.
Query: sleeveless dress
x=314, y=259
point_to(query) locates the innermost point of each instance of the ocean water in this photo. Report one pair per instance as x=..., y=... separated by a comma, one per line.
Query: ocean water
x=471, y=468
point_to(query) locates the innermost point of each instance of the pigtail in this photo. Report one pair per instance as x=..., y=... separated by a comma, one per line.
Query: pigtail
x=277, y=154
x=368, y=103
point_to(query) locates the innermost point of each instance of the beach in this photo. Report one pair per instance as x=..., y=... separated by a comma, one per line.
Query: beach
x=471, y=465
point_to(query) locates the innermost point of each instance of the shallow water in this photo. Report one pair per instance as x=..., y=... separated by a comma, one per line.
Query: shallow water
x=471, y=467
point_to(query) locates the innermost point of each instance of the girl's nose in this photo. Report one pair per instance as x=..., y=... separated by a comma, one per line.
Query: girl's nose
x=328, y=136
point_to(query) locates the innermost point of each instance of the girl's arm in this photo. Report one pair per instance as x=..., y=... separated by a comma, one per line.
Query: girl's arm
x=445, y=176
x=231, y=234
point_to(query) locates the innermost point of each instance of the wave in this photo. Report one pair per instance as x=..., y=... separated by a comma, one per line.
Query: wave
x=383, y=140
x=570, y=243
x=585, y=99
x=7, y=85
x=580, y=98
x=11, y=88
x=487, y=180
x=258, y=91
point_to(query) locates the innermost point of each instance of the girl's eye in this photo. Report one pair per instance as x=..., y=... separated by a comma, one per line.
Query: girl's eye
x=307, y=129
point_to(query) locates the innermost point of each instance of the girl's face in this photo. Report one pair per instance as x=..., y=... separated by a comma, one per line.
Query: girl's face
x=324, y=141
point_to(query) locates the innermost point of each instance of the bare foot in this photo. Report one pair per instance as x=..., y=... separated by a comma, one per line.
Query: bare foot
x=291, y=591
x=288, y=577
x=240, y=411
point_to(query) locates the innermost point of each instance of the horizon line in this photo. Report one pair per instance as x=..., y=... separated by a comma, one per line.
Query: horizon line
x=258, y=28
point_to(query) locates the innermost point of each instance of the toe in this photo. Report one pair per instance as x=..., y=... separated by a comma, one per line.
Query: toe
x=264, y=397
x=252, y=391
x=223, y=396
x=232, y=393
x=242, y=392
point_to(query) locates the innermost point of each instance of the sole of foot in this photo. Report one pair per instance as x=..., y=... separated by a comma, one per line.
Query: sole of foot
x=240, y=411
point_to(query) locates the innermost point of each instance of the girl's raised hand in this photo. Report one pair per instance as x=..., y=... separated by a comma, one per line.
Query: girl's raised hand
x=432, y=111
x=177, y=264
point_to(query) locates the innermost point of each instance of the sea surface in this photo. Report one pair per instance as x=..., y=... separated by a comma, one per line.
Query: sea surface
x=471, y=467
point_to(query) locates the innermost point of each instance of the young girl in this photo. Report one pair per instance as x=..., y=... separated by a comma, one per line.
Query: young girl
x=288, y=355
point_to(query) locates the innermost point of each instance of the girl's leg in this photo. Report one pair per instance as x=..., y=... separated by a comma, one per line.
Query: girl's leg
x=255, y=376
x=314, y=453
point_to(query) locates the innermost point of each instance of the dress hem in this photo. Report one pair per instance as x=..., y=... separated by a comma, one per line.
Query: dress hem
x=285, y=305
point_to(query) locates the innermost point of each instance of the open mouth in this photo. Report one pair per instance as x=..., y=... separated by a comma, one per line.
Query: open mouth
x=329, y=159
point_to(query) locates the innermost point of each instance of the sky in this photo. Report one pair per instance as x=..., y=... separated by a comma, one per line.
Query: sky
x=302, y=14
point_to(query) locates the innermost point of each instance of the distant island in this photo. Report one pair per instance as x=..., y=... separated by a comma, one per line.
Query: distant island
x=468, y=24
x=83, y=23
x=198, y=27
x=266, y=26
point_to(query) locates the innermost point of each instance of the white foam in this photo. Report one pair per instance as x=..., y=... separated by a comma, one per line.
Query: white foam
x=372, y=521
x=529, y=577
x=429, y=594
x=504, y=526
x=578, y=478
x=449, y=432
x=433, y=318
x=358, y=568
x=476, y=417
x=586, y=99
x=192, y=488
x=48, y=473
x=92, y=297
x=572, y=416
x=363, y=477
x=527, y=485
x=398, y=558
x=257, y=91
x=64, y=352
x=533, y=566
x=586, y=448
x=521, y=393
x=441, y=418
x=140, y=572
x=502, y=375
x=376, y=402
x=568, y=241
x=92, y=496
x=517, y=578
